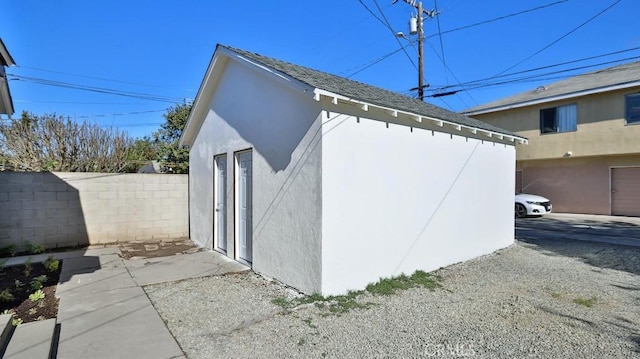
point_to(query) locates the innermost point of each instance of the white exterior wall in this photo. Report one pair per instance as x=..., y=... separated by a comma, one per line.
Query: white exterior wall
x=251, y=110
x=397, y=199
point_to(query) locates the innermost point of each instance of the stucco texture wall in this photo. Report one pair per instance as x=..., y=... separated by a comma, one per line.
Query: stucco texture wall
x=397, y=199
x=601, y=128
x=574, y=185
x=251, y=110
x=70, y=209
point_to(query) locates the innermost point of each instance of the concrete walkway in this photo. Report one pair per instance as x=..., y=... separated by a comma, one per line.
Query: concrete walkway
x=105, y=313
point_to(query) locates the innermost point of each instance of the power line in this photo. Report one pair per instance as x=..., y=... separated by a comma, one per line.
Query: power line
x=374, y=62
x=555, y=72
x=500, y=18
x=446, y=103
x=562, y=37
x=92, y=77
x=103, y=90
x=454, y=76
x=388, y=25
x=371, y=12
x=86, y=117
x=475, y=82
x=443, y=59
x=532, y=78
x=122, y=114
x=147, y=124
x=444, y=62
x=315, y=47
x=371, y=63
x=80, y=103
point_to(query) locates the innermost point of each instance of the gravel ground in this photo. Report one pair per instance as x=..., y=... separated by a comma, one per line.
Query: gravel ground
x=516, y=303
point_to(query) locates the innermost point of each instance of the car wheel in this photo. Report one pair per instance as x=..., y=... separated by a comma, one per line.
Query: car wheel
x=521, y=212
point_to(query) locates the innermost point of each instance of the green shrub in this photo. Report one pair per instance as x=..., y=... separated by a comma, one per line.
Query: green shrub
x=6, y=296
x=34, y=248
x=36, y=296
x=9, y=250
x=388, y=286
x=590, y=302
x=51, y=264
x=27, y=267
x=37, y=282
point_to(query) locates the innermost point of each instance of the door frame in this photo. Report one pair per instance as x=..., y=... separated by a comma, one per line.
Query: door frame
x=215, y=222
x=236, y=210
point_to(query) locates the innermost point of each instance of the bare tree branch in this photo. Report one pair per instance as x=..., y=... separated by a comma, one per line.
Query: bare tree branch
x=53, y=143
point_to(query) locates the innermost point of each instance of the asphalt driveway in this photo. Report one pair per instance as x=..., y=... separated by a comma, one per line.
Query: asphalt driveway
x=561, y=226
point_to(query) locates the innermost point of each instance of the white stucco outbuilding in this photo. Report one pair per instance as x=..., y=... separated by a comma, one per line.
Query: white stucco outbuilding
x=328, y=184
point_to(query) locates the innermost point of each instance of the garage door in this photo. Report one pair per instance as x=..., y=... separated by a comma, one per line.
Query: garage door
x=625, y=191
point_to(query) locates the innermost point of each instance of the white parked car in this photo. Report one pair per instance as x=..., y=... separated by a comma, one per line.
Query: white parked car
x=531, y=205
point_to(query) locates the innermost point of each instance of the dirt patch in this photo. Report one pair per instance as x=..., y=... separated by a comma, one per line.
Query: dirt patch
x=153, y=249
x=17, y=284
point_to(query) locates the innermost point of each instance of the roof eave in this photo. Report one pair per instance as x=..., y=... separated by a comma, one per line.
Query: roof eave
x=205, y=93
x=366, y=106
x=196, y=115
x=222, y=54
x=6, y=103
x=559, y=97
x=5, y=56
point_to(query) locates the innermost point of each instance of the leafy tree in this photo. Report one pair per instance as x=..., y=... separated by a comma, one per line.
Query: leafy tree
x=173, y=159
x=54, y=143
x=140, y=153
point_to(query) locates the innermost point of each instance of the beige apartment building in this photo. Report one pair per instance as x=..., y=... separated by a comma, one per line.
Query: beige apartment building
x=584, y=140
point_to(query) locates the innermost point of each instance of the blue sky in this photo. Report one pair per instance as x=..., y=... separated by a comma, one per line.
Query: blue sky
x=154, y=53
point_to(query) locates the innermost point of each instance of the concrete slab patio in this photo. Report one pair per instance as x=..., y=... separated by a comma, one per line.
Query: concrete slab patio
x=104, y=312
x=182, y=266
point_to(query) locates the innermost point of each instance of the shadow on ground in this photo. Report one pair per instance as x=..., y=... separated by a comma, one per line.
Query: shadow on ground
x=585, y=227
x=600, y=255
x=636, y=340
x=587, y=240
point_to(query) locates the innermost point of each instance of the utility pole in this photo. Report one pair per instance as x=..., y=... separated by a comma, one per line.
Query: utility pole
x=420, y=54
x=420, y=33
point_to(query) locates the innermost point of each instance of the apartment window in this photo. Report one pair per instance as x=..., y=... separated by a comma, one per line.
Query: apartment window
x=632, y=108
x=559, y=119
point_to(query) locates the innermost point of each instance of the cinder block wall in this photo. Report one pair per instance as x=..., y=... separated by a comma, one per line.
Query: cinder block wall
x=70, y=209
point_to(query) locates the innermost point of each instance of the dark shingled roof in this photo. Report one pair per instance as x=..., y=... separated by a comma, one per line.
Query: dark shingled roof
x=621, y=75
x=365, y=93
